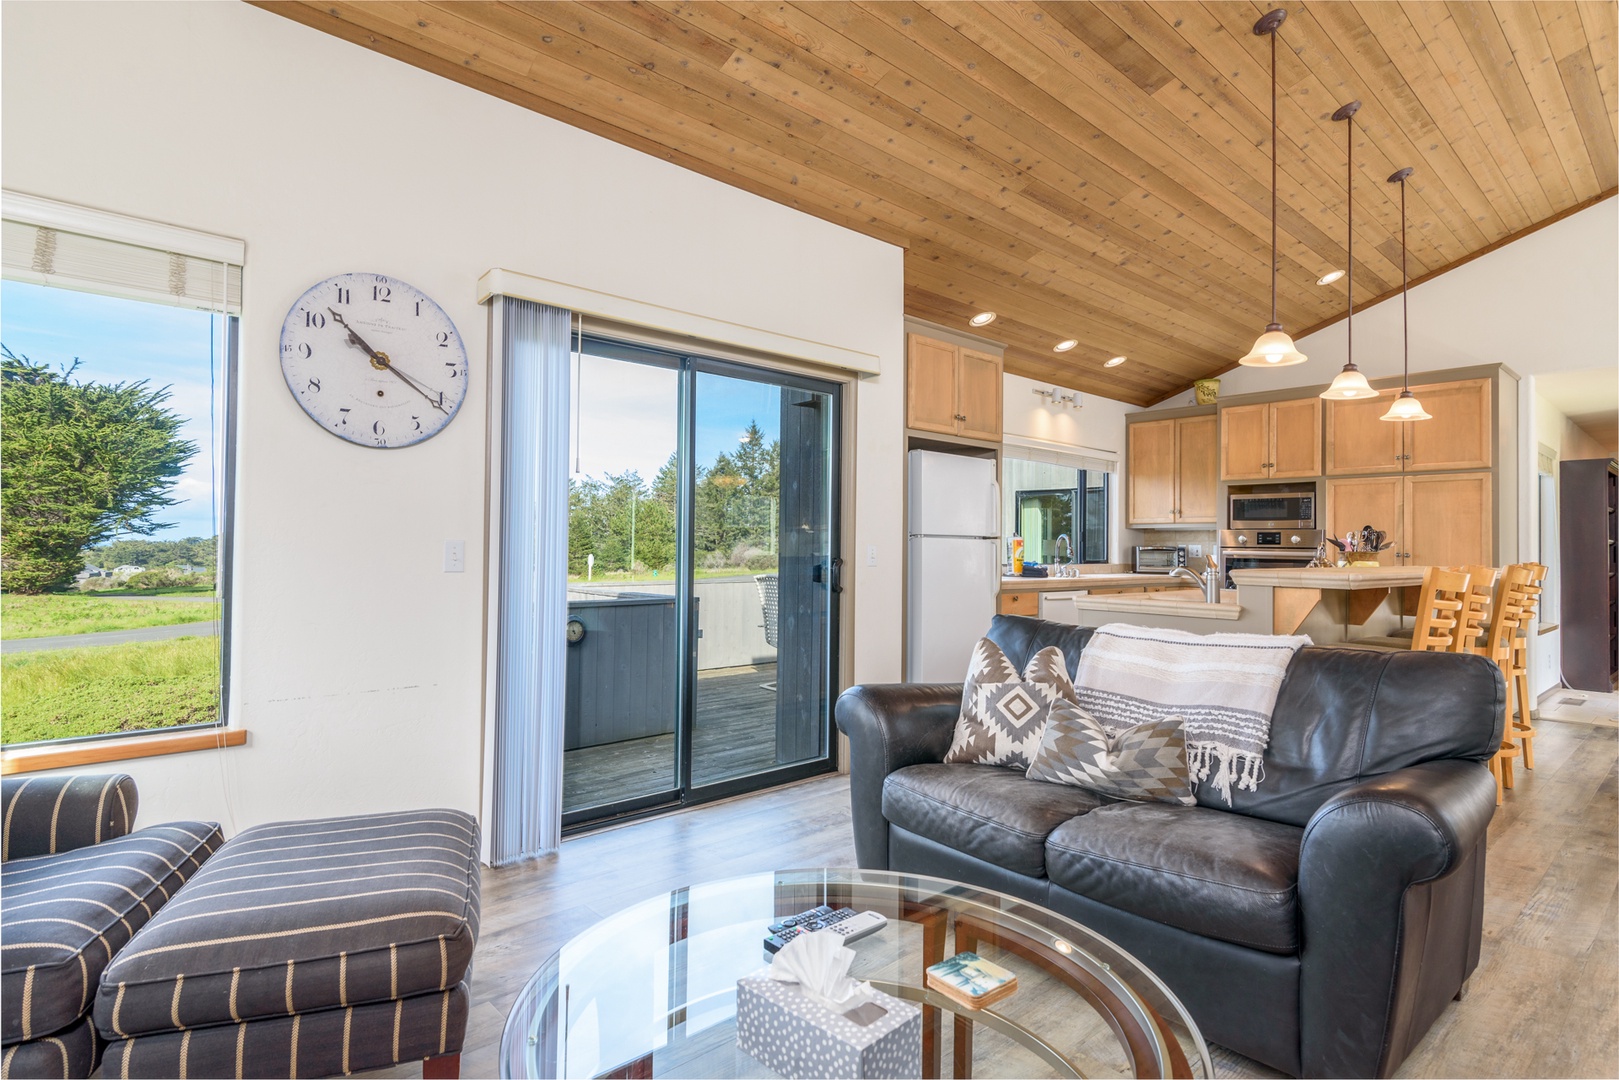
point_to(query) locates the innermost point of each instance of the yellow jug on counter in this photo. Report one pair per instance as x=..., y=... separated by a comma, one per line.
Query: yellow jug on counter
x=1017, y=556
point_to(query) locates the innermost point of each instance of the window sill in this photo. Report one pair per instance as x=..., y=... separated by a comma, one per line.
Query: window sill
x=69, y=755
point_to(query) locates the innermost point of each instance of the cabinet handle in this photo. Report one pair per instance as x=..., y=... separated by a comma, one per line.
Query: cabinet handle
x=959, y=416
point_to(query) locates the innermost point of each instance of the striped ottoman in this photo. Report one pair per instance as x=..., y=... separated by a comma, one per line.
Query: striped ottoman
x=305, y=948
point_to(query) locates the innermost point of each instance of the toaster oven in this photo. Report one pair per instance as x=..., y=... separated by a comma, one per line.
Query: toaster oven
x=1158, y=560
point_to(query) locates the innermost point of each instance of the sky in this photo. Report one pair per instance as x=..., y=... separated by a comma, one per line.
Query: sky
x=626, y=415
x=124, y=341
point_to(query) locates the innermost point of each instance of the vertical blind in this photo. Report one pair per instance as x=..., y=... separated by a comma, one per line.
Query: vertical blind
x=531, y=654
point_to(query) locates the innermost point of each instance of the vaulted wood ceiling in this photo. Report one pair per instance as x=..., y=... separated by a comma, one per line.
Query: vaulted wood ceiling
x=1097, y=171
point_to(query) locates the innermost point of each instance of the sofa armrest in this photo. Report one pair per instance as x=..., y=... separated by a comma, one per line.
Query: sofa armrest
x=47, y=815
x=889, y=727
x=1363, y=851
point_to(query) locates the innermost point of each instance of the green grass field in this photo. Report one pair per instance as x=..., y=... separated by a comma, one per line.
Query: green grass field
x=86, y=613
x=61, y=693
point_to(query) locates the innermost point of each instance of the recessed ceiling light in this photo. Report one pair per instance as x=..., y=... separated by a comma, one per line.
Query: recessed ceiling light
x=1329, y=277
x=1064, y=346
x=983, y=318
x=1115, y=362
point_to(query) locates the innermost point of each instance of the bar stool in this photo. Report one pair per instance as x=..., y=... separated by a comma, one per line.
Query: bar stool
x=1475, y=614
x=1440, y=610
x=1505, y=613
x=1522, y=727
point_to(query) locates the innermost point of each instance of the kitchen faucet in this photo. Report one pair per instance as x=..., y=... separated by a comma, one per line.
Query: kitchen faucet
x=1062, y=550
x=1209, y=582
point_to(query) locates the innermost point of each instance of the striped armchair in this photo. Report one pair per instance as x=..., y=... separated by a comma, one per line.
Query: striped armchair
x=76, y=882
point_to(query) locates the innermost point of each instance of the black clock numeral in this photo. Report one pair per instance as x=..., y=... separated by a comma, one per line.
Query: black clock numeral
x=305, y=351
x=418, y=307
x=454, y=370
x=382, y=293
x=416, y=421
x=315, y=319
x=314, y=386
x=378, y=429
x=342, y=295
x=443, y=338
x=345, y=419
x=439, y=404
x=381, y=442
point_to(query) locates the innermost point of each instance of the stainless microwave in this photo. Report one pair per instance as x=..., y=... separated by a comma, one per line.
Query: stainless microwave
x=1158, y=560
x=1273, y=510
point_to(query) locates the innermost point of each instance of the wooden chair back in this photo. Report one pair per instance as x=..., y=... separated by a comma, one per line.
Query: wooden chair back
x=1531, y=596
x=1506, y=611
x=1444, y=593
x=1475, y=611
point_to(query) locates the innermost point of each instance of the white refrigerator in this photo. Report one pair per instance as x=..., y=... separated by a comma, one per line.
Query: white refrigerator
x=954, y=567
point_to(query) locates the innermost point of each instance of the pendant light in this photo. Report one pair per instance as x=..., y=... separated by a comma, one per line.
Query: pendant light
x=1349, y=383
x=1274, y=348
x=1406, y=406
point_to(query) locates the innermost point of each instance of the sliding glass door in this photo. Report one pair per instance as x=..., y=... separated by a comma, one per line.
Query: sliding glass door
x=703, y=571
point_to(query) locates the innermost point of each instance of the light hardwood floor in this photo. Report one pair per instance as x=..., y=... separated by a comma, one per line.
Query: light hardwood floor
x=1543, y=1002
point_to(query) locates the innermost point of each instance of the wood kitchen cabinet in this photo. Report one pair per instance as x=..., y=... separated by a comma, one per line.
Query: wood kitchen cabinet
x=1277, y=440
x=952, y=390
x=1359, y=441
x=1170, y=471
x=1019, y=602
x=1431, y=520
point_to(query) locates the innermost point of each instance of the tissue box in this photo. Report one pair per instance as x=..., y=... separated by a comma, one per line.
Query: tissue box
x=781, y=1028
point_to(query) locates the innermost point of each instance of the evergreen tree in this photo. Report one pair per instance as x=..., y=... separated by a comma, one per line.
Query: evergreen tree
x=80, y=462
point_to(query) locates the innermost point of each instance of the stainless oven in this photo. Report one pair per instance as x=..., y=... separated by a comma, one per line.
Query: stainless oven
x=1267, y=549
x=1273, y=508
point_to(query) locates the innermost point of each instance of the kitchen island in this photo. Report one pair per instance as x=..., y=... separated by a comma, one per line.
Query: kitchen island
x=1331, y=605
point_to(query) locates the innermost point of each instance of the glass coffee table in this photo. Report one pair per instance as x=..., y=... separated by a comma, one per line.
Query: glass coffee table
x=651, y=990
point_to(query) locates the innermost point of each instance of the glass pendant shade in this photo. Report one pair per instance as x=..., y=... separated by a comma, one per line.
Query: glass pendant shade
x=1348, y=385
x=1273, y=349
x=1407, y=407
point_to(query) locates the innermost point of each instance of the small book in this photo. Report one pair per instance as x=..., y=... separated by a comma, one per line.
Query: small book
x=970, y=980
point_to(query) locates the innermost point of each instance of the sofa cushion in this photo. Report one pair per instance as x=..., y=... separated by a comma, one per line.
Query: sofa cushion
x=1210, y=872
x=71, y=1053
x=990, y=813
x=65, y=916
x=335, y=1042
x=301, y=916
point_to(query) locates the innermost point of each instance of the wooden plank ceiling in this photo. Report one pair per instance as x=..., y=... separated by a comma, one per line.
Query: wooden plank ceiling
x=1096, y=171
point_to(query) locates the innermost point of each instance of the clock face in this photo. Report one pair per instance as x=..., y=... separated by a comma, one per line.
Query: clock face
x=373, y=360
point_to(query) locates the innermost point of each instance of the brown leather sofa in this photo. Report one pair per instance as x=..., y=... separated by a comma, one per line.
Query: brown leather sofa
x=1319, y=924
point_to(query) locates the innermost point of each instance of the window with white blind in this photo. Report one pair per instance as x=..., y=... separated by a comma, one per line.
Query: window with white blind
x=119, y=341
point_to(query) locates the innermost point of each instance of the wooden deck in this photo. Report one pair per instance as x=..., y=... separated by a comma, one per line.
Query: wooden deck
x=735, y=734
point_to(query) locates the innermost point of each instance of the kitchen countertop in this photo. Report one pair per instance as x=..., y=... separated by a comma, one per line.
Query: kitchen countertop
x=1328, y=577
x=1087, y=581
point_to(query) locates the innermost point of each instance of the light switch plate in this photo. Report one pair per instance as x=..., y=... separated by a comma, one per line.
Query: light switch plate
x=1194, y=550
x=455, y=556
x=871, y=554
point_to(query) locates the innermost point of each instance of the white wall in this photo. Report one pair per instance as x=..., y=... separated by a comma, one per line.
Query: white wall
x=1096, y=430
x=356, y=661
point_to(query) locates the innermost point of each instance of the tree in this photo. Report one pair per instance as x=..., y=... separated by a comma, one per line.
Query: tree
x=80, y=463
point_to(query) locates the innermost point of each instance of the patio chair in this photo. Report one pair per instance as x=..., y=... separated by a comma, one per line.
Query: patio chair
x=767, y=598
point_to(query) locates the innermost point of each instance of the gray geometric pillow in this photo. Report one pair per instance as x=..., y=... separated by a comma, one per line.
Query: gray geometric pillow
x=1145, y=763
x=1003, y=714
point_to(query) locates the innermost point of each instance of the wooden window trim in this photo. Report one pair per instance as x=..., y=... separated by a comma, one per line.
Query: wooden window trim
x=70, y=755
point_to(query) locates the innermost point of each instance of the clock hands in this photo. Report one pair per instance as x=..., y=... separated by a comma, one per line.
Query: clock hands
x=380, y=361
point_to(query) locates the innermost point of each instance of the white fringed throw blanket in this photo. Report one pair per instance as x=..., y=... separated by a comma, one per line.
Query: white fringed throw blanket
x=1222, y=688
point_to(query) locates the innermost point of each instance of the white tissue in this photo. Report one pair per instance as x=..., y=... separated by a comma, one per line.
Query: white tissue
x=819, y=963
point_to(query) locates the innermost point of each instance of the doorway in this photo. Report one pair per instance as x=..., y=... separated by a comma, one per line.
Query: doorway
x=702, y=580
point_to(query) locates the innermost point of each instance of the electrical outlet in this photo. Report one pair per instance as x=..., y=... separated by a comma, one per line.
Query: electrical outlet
x=455, y=556
x=1195, y=550
x=871, y=554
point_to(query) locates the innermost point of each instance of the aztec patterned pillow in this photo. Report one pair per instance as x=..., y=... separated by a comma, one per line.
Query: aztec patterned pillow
x=1004, y=714
x=1144, y=763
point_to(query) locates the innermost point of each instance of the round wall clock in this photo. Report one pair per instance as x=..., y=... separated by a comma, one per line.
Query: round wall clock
x=373, y=360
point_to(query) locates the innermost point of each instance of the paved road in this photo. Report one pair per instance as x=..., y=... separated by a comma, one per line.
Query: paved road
x=111, y=637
